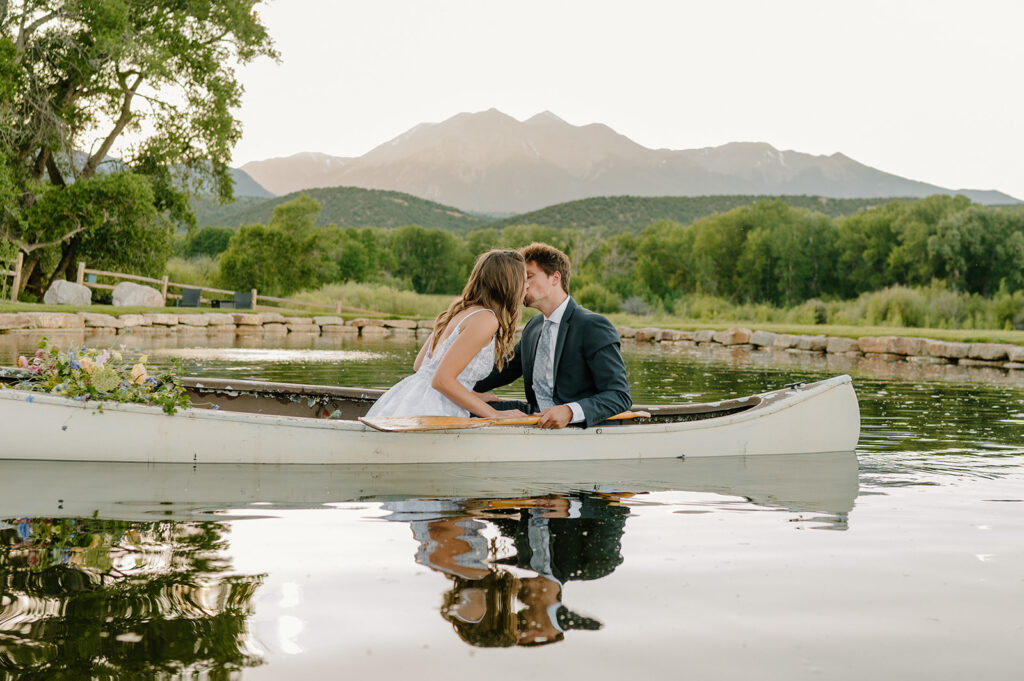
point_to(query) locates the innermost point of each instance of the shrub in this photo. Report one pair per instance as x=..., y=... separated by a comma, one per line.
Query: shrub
x=635, y=305
x=599, y=299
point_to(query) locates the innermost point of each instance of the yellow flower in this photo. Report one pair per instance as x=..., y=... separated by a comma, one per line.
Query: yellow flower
x=86, y=364
x=139, y=374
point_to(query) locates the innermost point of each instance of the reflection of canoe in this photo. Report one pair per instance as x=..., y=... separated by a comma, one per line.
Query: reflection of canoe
x=825, y=483
x=271, y=423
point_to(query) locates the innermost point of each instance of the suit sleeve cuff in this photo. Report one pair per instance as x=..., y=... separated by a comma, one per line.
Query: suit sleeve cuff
x=577, y=412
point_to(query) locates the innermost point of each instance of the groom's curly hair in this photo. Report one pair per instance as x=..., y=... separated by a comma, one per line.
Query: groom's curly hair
x=549, y=259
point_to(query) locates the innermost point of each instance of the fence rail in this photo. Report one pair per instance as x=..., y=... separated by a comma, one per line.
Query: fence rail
x=16, y=274
x=85, y=279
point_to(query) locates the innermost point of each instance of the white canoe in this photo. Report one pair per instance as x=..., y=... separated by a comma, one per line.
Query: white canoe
x=244, y=428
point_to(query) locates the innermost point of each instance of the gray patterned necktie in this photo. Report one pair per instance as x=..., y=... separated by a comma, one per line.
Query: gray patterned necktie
x=542, y=384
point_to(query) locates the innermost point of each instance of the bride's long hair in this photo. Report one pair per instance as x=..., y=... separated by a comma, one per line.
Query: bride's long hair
x=497, y=283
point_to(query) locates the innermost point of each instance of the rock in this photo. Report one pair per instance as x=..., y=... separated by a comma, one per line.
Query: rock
x=54, y=320
x=763, y=338
x=423, y=333
x=134, y=320
x=361, y=322
x=904, y=345
x=992, y=352
x=249, y=330
x=373, y=331
x=128, y=294
x=247, y=319
x=328, y=321
x=300, y=321
x=400, y=323
x=971, y=362
x=14, y=321
x=273, y=317
x=732, y=337
x=648, y=335
x=1015, y=353
x=335, y=330
x=302, y=328
x=785, y=340
x=685, y=343
x=877, y=344
x=812, y=343
x=161, y=319
x=704, y=336
x=425, y=324
x=95, y=320
x=676, y=335
x=67, y=293
x=275, y=328
x=196, y=320
x=403, y=332
x=624, y=331
x=946, y=349
x=1014, y=365
x=219, y=319
x=835, y=345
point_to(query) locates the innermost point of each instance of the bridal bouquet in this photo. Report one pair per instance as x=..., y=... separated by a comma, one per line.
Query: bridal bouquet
x=93, y=374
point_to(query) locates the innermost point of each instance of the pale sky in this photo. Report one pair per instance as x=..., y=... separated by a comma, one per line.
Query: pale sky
x=926, y=89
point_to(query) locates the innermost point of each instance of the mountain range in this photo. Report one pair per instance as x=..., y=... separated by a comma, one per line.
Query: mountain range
x=489, y=162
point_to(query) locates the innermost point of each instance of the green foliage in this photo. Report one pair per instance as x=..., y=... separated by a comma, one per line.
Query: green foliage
x=430, y=258
x=379, y=297
x=207, y=241
x=264, y=258
x=201, y=271
x=598, y=298
x=91, y=374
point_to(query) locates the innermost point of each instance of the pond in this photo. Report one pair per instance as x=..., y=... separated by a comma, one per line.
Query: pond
x=904, y=560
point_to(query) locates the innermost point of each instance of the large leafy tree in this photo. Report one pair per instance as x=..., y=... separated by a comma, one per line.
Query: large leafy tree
x=153, y=81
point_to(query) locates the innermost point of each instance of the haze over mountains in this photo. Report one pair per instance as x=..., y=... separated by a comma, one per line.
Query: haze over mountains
x=489, y=162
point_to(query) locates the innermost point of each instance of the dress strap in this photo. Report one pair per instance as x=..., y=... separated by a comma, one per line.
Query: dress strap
x=487, y=309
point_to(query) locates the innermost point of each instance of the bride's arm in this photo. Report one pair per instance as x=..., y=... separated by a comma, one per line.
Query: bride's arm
x=476, y=332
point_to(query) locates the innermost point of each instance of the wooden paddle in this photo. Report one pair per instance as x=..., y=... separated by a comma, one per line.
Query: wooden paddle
x=410, y=424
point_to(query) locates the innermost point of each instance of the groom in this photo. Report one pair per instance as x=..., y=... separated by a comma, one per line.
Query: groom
x=568, y=356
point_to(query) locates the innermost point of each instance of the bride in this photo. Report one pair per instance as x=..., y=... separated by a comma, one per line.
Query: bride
x=476, y=332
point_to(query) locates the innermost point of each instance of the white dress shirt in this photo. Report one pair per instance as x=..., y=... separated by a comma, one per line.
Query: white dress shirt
x=556, y=319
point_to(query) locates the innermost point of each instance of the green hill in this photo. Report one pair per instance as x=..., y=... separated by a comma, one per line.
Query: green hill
x=345, y=207
x=633, y=213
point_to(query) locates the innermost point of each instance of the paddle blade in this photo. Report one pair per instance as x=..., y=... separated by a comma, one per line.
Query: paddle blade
x=408, y=424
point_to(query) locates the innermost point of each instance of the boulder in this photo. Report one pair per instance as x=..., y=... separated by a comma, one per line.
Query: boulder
x=835, y=345
x=648, y=335
x=624, y=331
x=704, y=336
x=675, y=335
x=785, y=341
x=95, y=320
x=361, y=322
x=335, y=330
x=161, y=319
x=877, y=344
x=1015, y=353
x=54, y=320
x=14, y=321
x=991, y=352
x=129, y=294
x=193, y=320
x=946, y=349
x=426, y=324
x=328, y=321
x=275, y=328
x=302, y=328
x=67, y=293
x=373, y=331
x=763, y=338
x=732, y=337
x=273, y=318
x=133, y=320
x=400, y=323
x=812, y=343
x=219, y=319
x=247, y=319
x=908, y=346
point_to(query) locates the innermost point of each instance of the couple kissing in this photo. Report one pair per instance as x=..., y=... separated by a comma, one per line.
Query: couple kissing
x=568, y=356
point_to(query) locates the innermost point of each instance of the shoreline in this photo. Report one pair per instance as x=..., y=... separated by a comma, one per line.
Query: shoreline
x=912, y=349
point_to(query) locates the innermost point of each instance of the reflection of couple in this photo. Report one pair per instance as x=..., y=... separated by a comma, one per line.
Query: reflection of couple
x=568, y=356
x=515, y=600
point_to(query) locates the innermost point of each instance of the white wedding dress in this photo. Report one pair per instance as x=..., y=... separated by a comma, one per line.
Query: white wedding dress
x=414, y=396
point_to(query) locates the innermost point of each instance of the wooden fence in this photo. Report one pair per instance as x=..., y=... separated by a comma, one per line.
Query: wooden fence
x=16, y=273
x=165, y=284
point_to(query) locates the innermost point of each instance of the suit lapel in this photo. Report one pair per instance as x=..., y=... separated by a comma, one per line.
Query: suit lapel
x=563, y=329
x=529, y=347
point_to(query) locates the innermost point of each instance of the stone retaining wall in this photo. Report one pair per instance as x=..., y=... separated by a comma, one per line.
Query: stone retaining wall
x=1002, y=355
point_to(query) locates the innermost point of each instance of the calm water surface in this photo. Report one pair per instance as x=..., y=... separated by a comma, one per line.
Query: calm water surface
x=903, y=561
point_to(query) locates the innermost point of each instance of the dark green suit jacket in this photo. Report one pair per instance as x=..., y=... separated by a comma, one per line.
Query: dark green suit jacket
x=588, y=366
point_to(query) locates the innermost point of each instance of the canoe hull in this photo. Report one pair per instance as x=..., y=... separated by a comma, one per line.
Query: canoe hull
x=820, y=417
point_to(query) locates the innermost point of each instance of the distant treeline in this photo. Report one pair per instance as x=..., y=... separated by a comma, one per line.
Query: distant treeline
x=770, y=253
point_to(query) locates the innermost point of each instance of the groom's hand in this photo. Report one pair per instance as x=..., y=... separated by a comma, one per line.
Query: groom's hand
x=557, y=416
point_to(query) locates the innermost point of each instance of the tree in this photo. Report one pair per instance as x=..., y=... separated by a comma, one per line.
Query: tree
x=78, y=76
x=208, y=241
x=430, y=258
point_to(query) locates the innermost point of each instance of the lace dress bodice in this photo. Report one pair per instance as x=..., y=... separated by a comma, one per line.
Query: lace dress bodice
x=415, y=396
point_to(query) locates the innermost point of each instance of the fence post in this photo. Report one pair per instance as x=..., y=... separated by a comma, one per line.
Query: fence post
x=254, y=300
x=337, y=308
x=17, y=277
x=163, y=290
x=80, y=279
